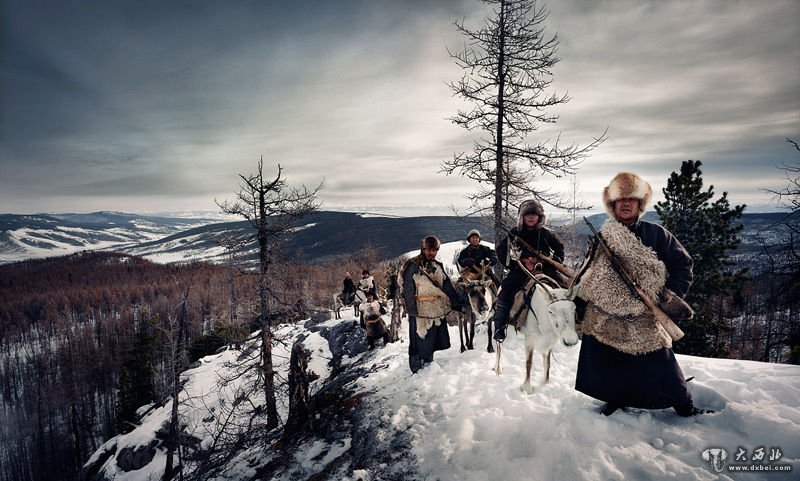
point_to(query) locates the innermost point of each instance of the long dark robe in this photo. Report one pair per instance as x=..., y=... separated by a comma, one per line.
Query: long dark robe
x=420, y=350
x=651, y=381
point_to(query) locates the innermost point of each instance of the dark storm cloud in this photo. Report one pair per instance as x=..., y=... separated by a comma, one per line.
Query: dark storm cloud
x=162, y=103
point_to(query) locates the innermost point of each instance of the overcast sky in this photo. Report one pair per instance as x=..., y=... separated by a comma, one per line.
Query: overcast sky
x=155, y=106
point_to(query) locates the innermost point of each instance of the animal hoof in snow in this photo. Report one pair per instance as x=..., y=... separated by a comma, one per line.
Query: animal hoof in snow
x=526, y=388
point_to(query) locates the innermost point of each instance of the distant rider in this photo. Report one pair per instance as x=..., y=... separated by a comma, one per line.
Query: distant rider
x=349, y=290
x=367, y=283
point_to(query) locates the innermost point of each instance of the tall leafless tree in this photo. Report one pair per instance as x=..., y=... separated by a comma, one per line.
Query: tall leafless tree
x=271, y=207
x=507, y=74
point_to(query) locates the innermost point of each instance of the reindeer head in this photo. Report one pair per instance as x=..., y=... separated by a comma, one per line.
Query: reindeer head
x=561, y=312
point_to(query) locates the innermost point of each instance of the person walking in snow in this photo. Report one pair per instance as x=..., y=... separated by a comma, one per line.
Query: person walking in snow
x=429, y=295
x=626, y=357
x=530, y=229
x=372, y=322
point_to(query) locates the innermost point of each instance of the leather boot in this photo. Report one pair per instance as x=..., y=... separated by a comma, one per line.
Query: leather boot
x=688, y=409
x=501, y=313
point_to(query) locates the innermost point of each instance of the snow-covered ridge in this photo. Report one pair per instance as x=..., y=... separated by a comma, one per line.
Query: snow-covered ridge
x=457, y=420
x=38, y=236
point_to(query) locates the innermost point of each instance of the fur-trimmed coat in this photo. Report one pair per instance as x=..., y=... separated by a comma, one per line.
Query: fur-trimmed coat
x=625, y=357
x=424, y=300
x=614, y=315
x=424, y=303
x=540, y=238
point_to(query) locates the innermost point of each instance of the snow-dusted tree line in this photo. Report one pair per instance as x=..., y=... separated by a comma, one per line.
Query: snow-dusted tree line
x=83, y=343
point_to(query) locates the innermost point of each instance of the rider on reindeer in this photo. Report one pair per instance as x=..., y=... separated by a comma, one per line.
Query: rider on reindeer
x=349, y=290
x=478, y=255
x=367, y=284
x=530, y=229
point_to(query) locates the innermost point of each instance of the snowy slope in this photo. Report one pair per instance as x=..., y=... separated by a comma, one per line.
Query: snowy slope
x=457, y=420
x=466, y=423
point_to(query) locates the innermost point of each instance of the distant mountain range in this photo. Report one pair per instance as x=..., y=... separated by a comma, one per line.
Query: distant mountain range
x=320, y=237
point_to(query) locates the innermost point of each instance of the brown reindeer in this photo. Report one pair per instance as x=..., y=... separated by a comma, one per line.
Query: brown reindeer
x=475, y=282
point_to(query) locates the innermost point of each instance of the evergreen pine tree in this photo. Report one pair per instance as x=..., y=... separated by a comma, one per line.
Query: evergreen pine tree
x=709, y=231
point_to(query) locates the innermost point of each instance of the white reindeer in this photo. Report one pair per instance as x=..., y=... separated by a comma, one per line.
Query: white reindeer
x=338, y=303
x=550, y=320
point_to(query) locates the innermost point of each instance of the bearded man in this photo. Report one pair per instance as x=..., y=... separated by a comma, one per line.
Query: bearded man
x=429, y=295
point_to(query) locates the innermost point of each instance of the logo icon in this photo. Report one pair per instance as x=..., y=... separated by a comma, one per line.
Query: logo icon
x=716, y=457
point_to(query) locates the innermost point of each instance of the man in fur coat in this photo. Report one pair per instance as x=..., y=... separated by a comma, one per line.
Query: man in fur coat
x=428, y=295
x=372, y=322
x=530, y=229
x=626, y=357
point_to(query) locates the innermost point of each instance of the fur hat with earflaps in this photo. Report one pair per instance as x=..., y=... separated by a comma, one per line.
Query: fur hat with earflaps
x=431, y=242
x=627, y=185
x=531, y=206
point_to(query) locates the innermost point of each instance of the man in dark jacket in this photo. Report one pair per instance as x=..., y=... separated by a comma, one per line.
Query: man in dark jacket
x=626, y=357
x=530, y=229
x=475, y=252
x=428, y=295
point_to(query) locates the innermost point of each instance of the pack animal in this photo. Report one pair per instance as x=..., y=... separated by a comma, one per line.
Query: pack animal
x=339, y=303
x=550, y=321
x=475, y=287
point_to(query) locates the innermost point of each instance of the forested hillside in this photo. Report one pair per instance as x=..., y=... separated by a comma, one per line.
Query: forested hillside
x=84, y=341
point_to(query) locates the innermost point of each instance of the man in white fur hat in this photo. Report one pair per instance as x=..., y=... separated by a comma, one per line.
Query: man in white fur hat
x=626, y=357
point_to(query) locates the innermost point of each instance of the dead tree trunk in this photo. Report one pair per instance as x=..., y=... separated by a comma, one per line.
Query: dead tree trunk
x=394, y=329
x=299, y=379
x=178, y=358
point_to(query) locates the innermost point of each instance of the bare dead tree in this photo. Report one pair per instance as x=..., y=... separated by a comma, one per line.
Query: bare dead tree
x=576, y=204
x=299, y=379
x=176, y=333
x=508, y=71
x=393, y=293
x=784, y=260
x=271, y=207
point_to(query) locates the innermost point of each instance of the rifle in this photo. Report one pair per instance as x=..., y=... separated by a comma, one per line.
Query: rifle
x=662, y=318
x=568, y=272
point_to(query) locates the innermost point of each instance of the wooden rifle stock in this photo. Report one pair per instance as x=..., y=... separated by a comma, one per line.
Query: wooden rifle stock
x=567, y=271
x=661, y=317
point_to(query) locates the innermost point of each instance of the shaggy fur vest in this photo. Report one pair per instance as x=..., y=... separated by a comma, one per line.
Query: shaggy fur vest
x=432, y=303
x=615, y=316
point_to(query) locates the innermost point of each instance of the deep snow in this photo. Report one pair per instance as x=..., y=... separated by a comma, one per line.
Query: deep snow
x=464, y=422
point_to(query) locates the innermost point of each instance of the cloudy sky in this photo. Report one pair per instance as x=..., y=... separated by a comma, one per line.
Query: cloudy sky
x=156, y=106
